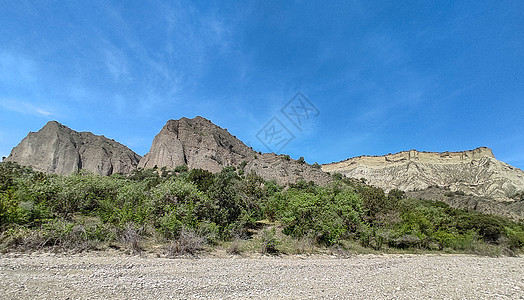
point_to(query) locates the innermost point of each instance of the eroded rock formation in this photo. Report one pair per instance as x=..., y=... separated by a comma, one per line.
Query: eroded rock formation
x=57, y=149
x=475, y=172
x=198, y=143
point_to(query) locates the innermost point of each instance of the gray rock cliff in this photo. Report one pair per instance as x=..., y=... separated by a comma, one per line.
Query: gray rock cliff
x=57, y=149
x=198, y=143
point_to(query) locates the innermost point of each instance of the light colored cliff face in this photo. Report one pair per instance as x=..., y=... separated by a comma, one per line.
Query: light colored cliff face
x=475, y=172
x=57, y=149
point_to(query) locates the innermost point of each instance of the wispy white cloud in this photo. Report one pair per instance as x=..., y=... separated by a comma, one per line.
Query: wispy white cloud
x=116, y=62
x=158, y=78
x=392, y=98
x=25, y=108
x=387, y=104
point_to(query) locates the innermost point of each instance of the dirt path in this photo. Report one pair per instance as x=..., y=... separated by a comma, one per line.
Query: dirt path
x=101, y=275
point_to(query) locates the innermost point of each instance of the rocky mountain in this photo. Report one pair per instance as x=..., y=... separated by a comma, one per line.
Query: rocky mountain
x=198, y=143
x=475, y=172
x=57, y=149
x=476, y=176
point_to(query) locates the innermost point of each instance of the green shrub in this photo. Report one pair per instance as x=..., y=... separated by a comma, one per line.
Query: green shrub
x=269, y=242
x=83, y=211
x=243, y=164
x=130, y=206
x=395, y=195
x=490, y=228
x=224, y=205
x=337, y=176
x=15, y=211
x=173, y=204
x=67, y=235
x=148, y=176
x=329, y=215
x=375, y=202
x=202, y=178
x=181, y=168
x=170, y=224
x=515, y=235
x=10, y=211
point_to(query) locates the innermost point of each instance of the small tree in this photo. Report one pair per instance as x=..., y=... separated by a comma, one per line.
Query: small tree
x=181, y=168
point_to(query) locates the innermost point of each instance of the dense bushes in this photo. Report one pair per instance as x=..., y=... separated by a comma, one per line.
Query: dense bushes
x=327, y=214
x=186, y=209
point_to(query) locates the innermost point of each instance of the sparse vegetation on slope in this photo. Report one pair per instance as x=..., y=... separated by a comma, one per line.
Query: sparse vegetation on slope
x=187, y=211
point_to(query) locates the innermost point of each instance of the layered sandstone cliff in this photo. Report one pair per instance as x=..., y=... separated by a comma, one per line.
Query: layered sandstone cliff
x=475, y=172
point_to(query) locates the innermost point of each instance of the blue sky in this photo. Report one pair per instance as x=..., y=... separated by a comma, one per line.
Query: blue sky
x=432, y=76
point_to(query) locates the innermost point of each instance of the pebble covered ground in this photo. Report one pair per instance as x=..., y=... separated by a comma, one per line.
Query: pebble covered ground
x=109, y=276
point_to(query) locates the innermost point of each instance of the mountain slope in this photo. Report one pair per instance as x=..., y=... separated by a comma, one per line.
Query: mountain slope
x=198, y=143
x=475, y=172
x=57, y=149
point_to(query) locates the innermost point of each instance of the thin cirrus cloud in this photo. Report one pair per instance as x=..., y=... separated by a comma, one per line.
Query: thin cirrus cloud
x=116, y=62
x=25, y=108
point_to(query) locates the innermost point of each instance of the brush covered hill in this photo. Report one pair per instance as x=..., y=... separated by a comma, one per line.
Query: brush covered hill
x=472, y=179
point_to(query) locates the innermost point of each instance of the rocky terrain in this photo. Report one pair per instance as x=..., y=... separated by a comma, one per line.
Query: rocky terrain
x=511, y=209
x=475, y=172
x=57, y=149
x=98, y=276
x=285, y=170
x=198, y=143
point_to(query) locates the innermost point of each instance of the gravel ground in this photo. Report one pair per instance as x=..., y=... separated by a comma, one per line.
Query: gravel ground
x=110, y=276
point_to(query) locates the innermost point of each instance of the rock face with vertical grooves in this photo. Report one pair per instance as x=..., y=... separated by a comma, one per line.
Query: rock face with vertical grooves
x=475, y=172
x=198, y=143
x=57, y=149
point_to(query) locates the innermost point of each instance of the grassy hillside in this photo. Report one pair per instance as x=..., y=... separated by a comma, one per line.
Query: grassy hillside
x=186, y=211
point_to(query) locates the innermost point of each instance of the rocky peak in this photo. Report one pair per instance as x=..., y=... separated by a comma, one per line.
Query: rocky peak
x=58, y=149
x=197, y=143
